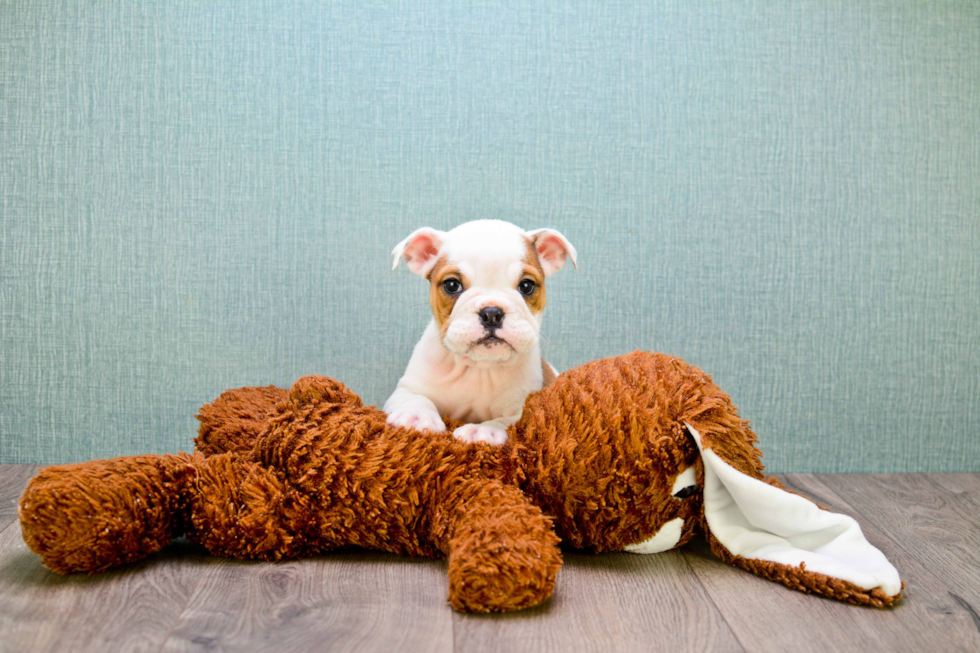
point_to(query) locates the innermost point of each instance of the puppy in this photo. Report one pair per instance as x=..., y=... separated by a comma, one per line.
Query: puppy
x=479, y=357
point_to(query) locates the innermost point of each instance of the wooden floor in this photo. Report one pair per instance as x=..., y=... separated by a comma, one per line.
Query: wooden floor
x=184, y=600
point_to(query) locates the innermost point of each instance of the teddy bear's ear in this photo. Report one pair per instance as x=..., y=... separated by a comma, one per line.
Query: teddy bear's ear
x=787, y=538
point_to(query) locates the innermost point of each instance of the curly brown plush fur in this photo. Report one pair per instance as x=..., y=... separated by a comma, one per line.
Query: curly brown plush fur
x=280, y=474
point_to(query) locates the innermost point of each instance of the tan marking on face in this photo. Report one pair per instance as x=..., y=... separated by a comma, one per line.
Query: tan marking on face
x=533, y=270
x=547, y=373
x=442, y=303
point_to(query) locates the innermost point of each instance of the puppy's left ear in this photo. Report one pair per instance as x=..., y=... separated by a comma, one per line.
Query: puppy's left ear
x=552, y=249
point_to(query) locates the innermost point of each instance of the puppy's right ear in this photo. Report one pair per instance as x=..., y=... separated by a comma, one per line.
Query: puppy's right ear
x=420, y=250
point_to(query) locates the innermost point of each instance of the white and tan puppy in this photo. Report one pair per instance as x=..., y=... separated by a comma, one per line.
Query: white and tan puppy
x=479, y=357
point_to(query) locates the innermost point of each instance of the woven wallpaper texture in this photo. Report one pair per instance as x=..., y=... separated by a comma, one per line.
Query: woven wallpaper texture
x=198, y=195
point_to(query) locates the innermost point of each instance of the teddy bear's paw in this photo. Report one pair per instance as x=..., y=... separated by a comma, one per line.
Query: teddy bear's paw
x=489, y=433
x=417, y=418
x=88, y=517
x=503, y=552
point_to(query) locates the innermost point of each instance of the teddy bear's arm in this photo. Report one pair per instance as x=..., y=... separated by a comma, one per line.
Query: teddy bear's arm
x=503, y=552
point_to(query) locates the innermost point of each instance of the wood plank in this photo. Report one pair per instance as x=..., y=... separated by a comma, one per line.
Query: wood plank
x=132, y=608
x=966, y=486
x=938, y=529
x=766, y=616
x=13, y=479
x=927, y=605
x=615, y=602
x=342, y=602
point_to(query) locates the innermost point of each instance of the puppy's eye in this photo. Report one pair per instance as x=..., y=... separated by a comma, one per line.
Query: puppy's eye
x=452, y=286
x=527, y=287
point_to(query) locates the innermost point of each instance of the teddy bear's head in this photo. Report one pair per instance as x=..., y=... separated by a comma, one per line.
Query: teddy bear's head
x=615, y=465
x=640, y=452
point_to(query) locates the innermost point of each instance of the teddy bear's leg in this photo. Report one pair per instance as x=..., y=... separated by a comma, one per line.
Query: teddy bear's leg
x=503, y=552
x=90, y=516
x=241, y=509
x=233, y=421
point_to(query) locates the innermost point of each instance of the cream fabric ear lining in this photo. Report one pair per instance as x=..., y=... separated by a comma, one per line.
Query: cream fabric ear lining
x=757, y=521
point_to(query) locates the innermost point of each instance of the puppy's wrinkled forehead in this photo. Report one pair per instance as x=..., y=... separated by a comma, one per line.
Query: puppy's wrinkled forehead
x=488, y=252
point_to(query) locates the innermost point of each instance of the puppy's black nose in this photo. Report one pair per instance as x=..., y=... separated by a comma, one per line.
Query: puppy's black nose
x=491, y=316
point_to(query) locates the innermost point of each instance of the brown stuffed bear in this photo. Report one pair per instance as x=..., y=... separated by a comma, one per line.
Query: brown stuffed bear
x=636, y=453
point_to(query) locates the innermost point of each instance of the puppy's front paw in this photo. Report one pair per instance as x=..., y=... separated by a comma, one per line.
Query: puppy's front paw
x=415, y=418
x=481, y=433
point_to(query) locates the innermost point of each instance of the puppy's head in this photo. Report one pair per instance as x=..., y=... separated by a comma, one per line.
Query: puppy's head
x=486, y=284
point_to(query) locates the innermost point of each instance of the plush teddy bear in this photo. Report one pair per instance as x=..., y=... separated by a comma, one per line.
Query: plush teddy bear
x=636, y=453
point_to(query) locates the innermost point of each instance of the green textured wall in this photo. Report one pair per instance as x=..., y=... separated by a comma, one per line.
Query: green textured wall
x=198, y=195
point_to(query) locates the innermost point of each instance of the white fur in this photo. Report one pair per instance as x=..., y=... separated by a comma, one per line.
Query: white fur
x=453, y=374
